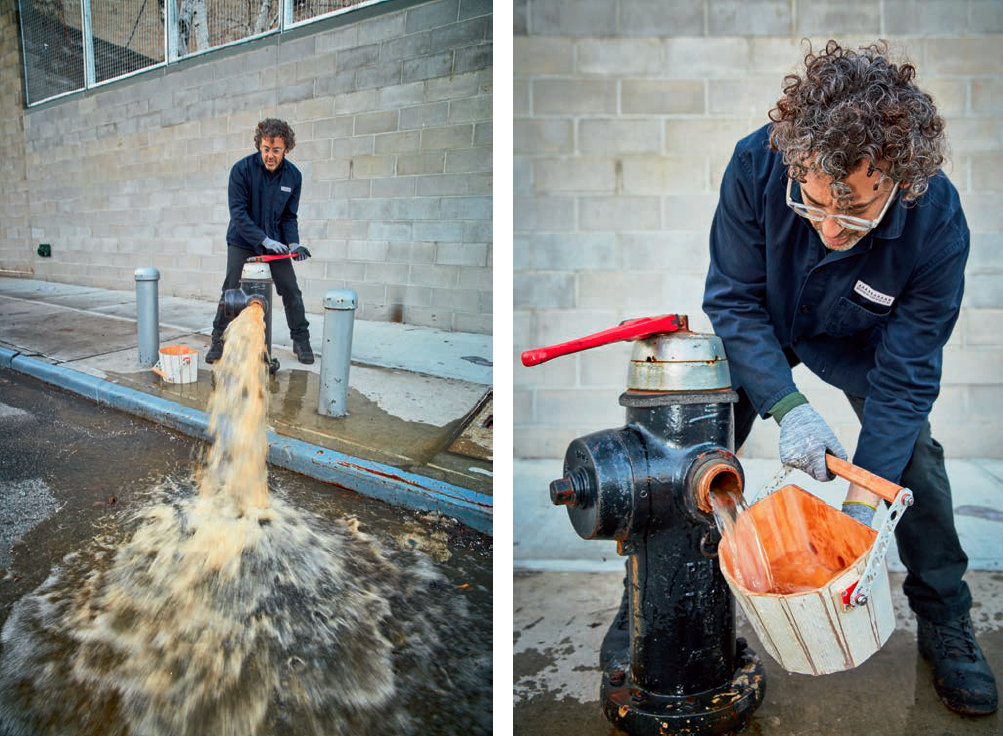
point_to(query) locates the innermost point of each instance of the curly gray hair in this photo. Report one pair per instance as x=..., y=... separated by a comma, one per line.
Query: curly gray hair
x=851, y=107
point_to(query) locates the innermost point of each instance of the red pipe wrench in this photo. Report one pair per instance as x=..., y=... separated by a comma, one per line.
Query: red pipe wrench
x=634, y=329
x=266, y=259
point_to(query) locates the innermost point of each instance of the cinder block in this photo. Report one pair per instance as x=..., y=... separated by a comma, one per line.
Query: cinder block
x=986, y=173
x=972, y=365
x=474, y=8
x=566, y=252
x=425, y=208
x=543, y=136
x=367, y=250
x=428, y=67
x=379, y=76
x=411, y=253
x=442, y=184
x=456, y=300
x=357, y=145
x=544, y=290
x=630, y=290
x=661, y=18
x=468, y=160
x=453, y=87
x=404, y=142
x=661, y=96
x=447, y=137
x=982, y=291
x=752, y=96
x=339, y=127
x=431, y=15
x=354, y=102
x=537, y=55
x=713, y=134
x=976, y=55
x=353, y=58
x=697, y=58
x=685, y=252
x=400, y=95
x=573, y=18
x=350, y=188
x=619, y=213
x=986, y=254
x=985, y=16
x=465, y=33
x=689, y=212
x=520, y=98
x=439, y=231
x=470, y=109
x=376, y=122
x=541, y=214
x=983, y=212
x=297, y=49
x=621, y=57
x=987, y=95
x=407, y=47
x=578, y=174
x=424, y=116
x=737, y=18
x=472, y=58
x=395, y=186
x=950, y=94
x=388, y=273
x=421, y=163
x=853, y=16
x=436, y=276
x=368, y=167
x=605, y=367
x=930, y=17
x=345, y=37
x=569, y=96
x=381, y=28
x=662, y=175
x=614, y=136
x=462, y=254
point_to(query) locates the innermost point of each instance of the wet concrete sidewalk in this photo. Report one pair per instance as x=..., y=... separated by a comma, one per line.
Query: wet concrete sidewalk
x=567, y=590
x=418, y=430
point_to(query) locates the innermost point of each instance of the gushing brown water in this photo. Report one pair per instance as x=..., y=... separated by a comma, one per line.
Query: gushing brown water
x=752, y=566
x=227, y=612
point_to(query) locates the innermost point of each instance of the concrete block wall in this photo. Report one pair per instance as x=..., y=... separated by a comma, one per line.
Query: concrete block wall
x=393, y=122
x=13, y=185
x=626, y=113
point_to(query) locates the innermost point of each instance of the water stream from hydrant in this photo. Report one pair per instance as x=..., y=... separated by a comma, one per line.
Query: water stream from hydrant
x=228, y=612
x=798, y=570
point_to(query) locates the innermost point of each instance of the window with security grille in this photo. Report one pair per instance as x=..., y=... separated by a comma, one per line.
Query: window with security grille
x=70, y=45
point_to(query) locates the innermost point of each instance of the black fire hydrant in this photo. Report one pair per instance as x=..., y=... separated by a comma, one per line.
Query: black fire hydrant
x=255, y=287
x=647, y=485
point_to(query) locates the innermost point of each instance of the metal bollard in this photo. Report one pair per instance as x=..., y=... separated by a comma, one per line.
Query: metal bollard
x=336, y=351
x=148, y=315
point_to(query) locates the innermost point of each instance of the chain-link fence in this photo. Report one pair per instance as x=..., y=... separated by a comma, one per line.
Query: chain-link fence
x=72, y=44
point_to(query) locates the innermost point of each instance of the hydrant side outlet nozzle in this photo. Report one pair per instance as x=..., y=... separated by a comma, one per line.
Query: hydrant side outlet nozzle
x=718, y=473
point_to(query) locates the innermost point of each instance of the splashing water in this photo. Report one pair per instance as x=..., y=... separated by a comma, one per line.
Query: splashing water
x=751, y=567
x=798, y=570
x=228, y=612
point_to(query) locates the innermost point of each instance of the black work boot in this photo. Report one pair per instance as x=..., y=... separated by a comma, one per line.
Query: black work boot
x=616, y=643
x=302, y=350
x=215, y=351
x=961, y=675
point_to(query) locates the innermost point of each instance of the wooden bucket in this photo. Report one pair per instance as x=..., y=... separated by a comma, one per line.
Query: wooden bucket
x=827, y=628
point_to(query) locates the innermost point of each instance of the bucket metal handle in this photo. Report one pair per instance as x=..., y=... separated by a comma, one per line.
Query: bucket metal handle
x=900, y=499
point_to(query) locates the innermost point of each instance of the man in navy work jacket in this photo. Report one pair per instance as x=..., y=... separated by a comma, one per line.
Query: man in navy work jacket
x=838, y=243
x=264, y=194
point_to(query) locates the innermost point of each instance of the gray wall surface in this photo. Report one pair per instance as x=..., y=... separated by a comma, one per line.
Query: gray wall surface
x=393, y=122
x=626, y=113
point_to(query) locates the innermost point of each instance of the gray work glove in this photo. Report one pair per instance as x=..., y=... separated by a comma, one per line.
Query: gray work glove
x=274, y=246
x=804, y=439
x=300, y=253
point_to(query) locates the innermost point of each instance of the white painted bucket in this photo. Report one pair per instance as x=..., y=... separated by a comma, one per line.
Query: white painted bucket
x=178, y=364
x=826, y=629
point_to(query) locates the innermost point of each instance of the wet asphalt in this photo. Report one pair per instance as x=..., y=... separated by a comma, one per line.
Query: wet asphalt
x=73, y=472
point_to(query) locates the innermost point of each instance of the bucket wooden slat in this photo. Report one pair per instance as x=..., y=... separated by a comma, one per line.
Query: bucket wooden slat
x=812, y=632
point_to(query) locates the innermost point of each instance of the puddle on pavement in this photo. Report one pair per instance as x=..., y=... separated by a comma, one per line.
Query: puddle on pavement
x=213, y=604
x=407, y=445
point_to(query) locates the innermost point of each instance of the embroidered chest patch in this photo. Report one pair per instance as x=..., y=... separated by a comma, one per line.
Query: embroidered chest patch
x=873, y=295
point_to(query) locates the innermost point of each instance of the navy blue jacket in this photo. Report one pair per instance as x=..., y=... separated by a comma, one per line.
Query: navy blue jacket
x=263, y=203
x=871, y=321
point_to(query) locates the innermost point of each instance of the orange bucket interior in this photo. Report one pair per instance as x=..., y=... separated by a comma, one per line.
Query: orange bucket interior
x=807, y=542
x=177, y=350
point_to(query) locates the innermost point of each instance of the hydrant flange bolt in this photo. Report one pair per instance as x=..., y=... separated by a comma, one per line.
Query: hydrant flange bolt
x=562, y=492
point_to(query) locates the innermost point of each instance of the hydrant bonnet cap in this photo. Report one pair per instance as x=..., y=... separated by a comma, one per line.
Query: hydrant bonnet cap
x=679, y=361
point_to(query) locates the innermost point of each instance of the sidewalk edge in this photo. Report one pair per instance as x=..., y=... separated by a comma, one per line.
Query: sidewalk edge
x=376, y=480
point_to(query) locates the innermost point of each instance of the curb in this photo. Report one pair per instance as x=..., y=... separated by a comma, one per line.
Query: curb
x=376, y=480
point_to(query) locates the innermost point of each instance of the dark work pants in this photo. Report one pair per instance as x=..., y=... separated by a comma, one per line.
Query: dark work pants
x=927, y=540
x=284, y=278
